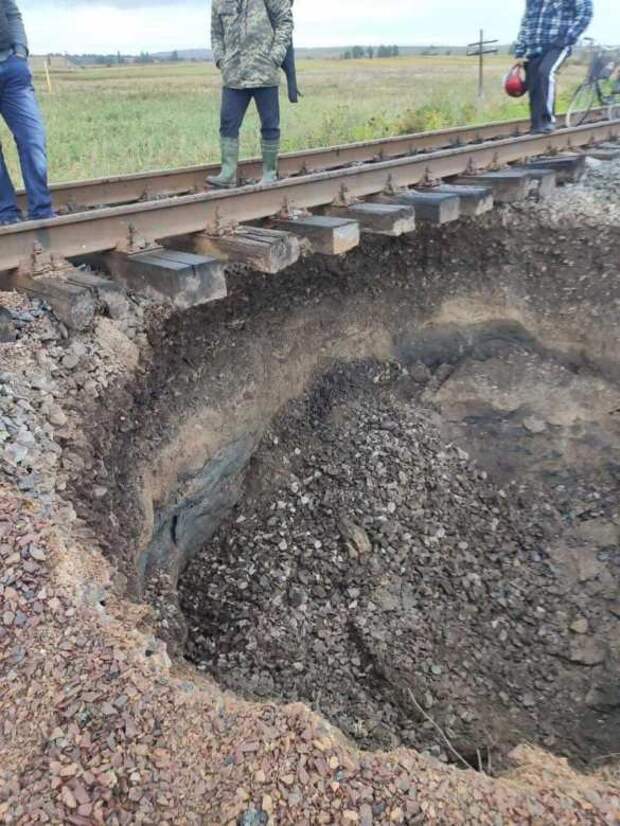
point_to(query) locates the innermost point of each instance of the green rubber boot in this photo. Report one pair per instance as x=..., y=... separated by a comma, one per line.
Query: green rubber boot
x=270, y=151
x=227, y=179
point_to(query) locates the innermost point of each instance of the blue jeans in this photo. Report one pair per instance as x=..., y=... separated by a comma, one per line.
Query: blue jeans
x=19, y=108
x=235, y=104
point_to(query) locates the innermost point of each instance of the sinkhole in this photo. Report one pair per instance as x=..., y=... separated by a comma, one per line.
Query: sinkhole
x=387, y=487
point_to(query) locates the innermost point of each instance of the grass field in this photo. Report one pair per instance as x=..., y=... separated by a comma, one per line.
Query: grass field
x=104, y=121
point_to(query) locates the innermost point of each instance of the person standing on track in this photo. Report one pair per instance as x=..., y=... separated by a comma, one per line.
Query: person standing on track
x=19, y=108
x=249, y=40
x=549, y=30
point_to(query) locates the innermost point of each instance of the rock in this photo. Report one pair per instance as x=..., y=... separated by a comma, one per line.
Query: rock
x=535, y=425
x=70, y=361
x=528, y=700
x=600, y=532
x=37, y=553
x=8, y=330
x=366, y=815
x=587, y=651
x=355, y=537
x=604, y=698
x=580, y=626
x=420, y=373
x=15, y=454
x=386, y=599
x=254, y=817
x=55, y=415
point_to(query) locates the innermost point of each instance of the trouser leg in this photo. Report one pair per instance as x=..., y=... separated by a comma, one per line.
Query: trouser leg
x=537, y=101
x=268, y=105
x=550, y=63
x=235, y=104
x=9, y=212
x=18, y=106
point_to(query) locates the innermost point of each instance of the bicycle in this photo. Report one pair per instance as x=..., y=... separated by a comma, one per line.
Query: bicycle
x=601, y=88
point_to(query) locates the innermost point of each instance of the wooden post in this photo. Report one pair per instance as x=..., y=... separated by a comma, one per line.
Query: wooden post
x=481, y=66
x=48, y=76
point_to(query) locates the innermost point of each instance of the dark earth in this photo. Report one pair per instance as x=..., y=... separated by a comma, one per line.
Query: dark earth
x=381, y=575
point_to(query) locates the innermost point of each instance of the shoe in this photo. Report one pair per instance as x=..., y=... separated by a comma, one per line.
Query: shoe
x=270, y=150
x=227, y=179
x=545, y=130
x=10, y=220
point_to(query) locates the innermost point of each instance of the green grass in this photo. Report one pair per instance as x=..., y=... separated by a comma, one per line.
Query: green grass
x=106, y=121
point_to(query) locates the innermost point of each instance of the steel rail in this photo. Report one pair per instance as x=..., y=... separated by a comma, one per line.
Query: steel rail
x=102, y=230
x=143, y=186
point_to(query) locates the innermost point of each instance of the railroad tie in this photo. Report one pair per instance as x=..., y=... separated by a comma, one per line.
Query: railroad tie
x=266, y=250
x=430, y=207
x=183, y=278
x=378, y=218
x=568, y=168
x=325, y=235
x=605, y=152
x=474, y=200
x=507, y=185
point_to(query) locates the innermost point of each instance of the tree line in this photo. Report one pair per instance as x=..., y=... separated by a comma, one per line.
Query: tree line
x=359, y=52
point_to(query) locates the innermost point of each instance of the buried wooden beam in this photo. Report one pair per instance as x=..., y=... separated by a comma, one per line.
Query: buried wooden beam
x=183, y=278
x=568, y=168
x=73, y=305
x=325, y=235
x=265, y=250
x=110, y=294
x=430, y=207
x=378, y=218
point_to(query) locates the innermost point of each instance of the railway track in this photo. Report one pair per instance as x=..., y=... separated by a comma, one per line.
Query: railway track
x=164, y=234
x=124, y=189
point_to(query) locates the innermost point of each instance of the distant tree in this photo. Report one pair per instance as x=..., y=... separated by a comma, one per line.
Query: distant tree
x=144, y=57
x=347, y=55
x=358, y=52
x=175, y=56
x=371, y=52
x=120, y=59
x=395, y=51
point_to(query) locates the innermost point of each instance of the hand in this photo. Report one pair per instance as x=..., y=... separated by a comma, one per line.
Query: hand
x=520, y=61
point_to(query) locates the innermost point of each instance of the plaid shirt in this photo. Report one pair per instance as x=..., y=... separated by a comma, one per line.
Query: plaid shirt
x=549, y=23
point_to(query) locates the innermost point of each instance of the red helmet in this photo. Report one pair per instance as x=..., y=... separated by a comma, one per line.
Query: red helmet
x=515, y=84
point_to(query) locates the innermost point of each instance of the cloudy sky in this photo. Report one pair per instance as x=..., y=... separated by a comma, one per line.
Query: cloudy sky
x=155, y=25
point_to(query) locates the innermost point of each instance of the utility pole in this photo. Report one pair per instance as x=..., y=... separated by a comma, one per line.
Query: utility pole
x=481, y=66
x=479, y=50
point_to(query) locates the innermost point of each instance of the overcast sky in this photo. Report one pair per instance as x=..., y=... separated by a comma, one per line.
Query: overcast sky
x=155, y=25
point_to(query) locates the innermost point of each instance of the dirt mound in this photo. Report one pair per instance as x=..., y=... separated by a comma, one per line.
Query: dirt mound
x=380, y=575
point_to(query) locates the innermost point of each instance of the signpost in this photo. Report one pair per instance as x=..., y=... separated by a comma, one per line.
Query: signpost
x=479, y=49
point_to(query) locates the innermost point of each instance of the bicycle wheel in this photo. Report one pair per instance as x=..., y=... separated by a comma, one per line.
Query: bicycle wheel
x=609, y=90
x=612, y=106
x=583, y=101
